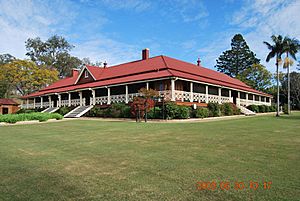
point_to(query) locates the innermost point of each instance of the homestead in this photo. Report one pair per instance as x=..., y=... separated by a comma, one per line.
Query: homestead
x=175, y=80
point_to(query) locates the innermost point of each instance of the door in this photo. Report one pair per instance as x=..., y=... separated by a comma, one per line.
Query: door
x=5, y=110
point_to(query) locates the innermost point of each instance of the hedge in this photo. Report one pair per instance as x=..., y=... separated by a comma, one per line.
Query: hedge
x=13, y=118
x=262, y=108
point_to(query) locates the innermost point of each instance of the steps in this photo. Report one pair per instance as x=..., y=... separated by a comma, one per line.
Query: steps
x=246, y=111
x=50, y=110
x=78, y=111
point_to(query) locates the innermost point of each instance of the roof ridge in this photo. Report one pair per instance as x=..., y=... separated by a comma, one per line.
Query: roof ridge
x=165, y=62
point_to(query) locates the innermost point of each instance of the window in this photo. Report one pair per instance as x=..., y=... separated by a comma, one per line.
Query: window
x=86, y=74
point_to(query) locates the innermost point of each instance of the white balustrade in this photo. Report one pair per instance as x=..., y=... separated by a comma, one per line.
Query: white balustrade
x=245, y=103
x=75, y=102
x=198, y=97
x=225, y=99
x=118, y=98
x=132, y=96
x=64, y=103
x=213, y=98
x=101, y=100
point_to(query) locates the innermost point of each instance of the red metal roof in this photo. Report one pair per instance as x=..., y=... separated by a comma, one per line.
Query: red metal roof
x=7, y=101
x=152, y=68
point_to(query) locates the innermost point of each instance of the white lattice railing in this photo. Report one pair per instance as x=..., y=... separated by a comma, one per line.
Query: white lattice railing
x=75, y=102
x=132, y=96
x=166, y=94
x=37, y=105
x=118, y=98
x=64, y=103
x=244, y=102
x=213, y=98
x=198, y=97
x=45, y=104
x=225, y=99
x=101, y=100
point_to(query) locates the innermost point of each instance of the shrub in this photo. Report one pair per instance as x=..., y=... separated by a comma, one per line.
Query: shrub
x=201, y=112
x=262, y=108
x=253, y=108
x=126, y=112
x=227, y=109
x=272, y=108
x=183, y=112
x=214, y=109
x=13, y=118
x=171, y=110
x=63, y=110
x=156, y=115
x=21, y=111
x=94, y=112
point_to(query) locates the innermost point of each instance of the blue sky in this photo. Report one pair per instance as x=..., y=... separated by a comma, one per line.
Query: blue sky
x=117, y=31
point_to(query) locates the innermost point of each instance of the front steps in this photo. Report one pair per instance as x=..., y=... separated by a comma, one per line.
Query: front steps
x=246, y=111
x=50, y=110
x=78, y=111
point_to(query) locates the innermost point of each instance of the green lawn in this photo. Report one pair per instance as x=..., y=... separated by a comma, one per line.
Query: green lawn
x=94, y=160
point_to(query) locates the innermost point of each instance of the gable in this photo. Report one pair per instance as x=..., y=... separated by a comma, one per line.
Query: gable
x=85, y=77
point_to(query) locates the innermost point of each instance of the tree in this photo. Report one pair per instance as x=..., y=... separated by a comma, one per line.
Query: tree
x=4, y=59
x=294, y=89
x=235, y=61
x=290, y=47
x=275, y=51
x=258, y=77
x=26, y=77
x=53, y=53
x=87, y=61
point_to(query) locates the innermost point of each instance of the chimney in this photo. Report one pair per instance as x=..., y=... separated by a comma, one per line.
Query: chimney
x=75, y=72
x=198, y=62
x=105, y=64
x=145, y=54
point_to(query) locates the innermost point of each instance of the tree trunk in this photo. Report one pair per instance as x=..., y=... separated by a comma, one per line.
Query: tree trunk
x=277, y=71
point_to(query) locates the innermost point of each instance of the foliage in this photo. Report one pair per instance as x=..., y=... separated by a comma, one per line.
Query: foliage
x=294, y=89
x=173, y=111
x=116, y=110
x=214, y=109
x=235, y=61
x=201, y=112
x=183, y=112
x=262, y=108
x=119, y=110
x=53, y=53
x=140, y=104
x=13, y=118
x=276, y=50
x=253, y=108
x=64, y=110
x=155, y=113
x=4, y=84
x=257, y=76
x=25, y=76
x=227, y=109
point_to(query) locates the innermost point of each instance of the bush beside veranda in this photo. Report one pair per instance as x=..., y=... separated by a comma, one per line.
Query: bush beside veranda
x=13, y=118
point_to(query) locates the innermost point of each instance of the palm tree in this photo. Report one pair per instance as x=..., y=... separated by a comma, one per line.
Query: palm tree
x=275, y=51
x=290, y=47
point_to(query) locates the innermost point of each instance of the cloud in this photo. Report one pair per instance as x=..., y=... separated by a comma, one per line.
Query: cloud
x=20, y=20
x=261, y=18
x=105, y=49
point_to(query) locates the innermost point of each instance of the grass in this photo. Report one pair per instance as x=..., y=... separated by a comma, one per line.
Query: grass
x=94, y=160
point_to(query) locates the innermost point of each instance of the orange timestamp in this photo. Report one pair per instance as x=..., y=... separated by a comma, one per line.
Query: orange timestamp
x=236, y=185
